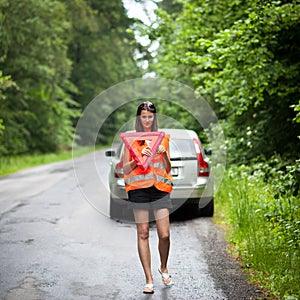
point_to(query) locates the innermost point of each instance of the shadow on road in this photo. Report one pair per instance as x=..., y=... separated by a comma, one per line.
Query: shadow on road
x=184, y=213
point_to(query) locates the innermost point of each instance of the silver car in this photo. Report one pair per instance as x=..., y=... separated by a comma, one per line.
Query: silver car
x=191, y=171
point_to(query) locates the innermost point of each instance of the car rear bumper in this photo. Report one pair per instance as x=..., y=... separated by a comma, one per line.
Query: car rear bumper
x=202, y=192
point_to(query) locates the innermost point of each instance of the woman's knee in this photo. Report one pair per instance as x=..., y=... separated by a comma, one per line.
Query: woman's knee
x=143, y=233
x=164, y=236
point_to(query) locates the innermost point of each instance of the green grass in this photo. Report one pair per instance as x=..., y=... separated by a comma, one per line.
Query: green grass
x=12, y=164
x=263, y=230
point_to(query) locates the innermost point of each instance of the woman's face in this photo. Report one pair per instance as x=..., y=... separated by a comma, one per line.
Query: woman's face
x=147, y=119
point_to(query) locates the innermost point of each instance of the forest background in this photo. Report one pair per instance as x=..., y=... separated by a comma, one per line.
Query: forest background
x=241, y=56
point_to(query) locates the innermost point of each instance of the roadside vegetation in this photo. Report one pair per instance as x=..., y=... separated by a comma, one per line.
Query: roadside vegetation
x=12, y=164
x=259, y=206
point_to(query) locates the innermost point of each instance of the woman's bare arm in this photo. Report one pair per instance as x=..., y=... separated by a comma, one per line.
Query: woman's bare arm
x=167, y=161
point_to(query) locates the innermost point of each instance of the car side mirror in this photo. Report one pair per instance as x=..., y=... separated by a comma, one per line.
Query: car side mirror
x=208, y=151
x=110, y=153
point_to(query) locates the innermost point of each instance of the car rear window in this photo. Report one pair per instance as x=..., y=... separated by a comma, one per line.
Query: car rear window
x=182, y=149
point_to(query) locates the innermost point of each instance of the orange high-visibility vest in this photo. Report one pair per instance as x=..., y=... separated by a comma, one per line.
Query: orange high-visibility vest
x=155, y=174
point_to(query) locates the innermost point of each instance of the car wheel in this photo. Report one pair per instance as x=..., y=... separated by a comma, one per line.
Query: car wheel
x=115, y=209
x=208, y=210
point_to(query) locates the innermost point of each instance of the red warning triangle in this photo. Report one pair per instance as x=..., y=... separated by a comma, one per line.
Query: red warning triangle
x=134, y=141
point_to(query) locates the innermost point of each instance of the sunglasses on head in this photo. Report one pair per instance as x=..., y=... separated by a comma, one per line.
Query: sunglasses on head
x=146, y=104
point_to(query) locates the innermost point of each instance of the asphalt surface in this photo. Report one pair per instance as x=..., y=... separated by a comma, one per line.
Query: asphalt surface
x=57, y=242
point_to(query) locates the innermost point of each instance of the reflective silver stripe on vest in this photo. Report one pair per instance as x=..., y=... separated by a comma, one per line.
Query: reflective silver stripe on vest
x=139, y=177
x=159, y=165
x=164, y=180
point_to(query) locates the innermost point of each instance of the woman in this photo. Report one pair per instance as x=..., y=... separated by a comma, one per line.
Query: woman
x=151, y=191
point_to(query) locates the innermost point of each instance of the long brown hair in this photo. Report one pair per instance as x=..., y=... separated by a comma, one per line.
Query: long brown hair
x=149, y=106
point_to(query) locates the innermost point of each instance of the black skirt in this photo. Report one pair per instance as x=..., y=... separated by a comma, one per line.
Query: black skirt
x=149, y=198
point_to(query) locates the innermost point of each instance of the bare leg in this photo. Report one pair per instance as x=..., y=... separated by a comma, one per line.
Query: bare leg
x=142, y=225
x=163, y=231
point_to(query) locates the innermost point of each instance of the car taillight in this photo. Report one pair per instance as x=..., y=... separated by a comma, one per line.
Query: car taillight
x=203, y=168
x=119, y=170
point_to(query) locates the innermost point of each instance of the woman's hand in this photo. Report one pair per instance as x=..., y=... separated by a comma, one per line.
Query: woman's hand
x=161, y=149
x=147, y=151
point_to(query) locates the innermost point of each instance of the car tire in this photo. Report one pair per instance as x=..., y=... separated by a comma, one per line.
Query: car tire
x=208, y=210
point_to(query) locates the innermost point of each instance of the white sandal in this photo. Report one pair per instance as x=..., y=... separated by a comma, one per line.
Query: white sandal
x=148, y=288
x=166, y=278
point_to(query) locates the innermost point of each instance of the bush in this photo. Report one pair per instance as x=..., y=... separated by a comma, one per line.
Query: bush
x=261, y=202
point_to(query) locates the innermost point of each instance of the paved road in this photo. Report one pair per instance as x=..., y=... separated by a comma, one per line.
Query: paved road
x=56, y=245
